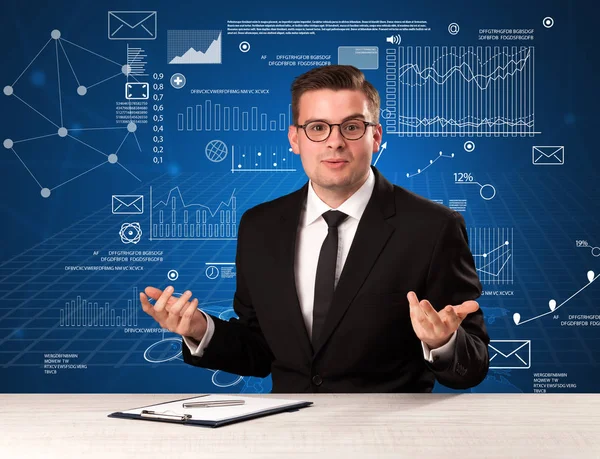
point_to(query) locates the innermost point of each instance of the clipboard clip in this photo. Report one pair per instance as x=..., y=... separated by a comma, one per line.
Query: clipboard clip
x=155, y=415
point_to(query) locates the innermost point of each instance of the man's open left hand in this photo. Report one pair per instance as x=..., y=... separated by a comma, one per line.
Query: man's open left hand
x=435, y=328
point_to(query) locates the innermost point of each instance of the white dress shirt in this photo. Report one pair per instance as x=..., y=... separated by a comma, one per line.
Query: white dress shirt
x=312, y=230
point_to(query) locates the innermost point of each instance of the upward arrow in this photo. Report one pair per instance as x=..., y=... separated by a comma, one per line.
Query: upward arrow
x=383, y=147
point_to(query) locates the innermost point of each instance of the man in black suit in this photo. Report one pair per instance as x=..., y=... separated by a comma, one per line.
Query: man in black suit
x=329, y=277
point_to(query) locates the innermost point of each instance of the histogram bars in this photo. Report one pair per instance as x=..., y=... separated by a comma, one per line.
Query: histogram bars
x=173, y=219
x=84, y=313
x=458, y=91
x=216, y=117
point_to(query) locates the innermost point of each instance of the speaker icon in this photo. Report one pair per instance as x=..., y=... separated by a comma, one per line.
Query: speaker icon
x=394, y=39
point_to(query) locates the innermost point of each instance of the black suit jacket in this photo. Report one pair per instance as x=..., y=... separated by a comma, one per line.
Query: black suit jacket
x=403, y=242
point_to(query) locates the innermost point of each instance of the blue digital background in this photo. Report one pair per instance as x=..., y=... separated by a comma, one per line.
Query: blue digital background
x=545, y=209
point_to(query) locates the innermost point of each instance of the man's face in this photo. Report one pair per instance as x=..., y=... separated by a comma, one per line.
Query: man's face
x=337, y=164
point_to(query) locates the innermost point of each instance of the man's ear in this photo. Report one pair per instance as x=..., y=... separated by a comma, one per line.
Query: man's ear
x=293, y=138
x=377, y=136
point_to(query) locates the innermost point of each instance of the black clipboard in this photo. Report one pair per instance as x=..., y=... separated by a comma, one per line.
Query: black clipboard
x=186, y=419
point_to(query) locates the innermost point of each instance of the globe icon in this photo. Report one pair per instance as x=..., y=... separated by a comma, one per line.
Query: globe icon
x=216, y=151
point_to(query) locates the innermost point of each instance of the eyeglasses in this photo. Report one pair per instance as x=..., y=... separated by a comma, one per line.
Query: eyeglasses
x=319, y=131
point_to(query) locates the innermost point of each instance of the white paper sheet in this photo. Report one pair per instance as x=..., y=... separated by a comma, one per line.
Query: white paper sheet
x=252, y=405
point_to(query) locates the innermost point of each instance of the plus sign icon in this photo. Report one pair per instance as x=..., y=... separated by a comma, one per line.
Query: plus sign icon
x=178, y=81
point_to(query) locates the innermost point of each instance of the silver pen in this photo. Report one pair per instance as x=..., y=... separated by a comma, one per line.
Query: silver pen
x=213, y=403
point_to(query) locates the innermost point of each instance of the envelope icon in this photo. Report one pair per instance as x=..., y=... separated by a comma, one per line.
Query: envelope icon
x=127, y=204
x=510, y=354
x=132, y=25
x=548, y=156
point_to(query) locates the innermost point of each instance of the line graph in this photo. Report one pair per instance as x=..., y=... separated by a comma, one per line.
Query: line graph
x=431, y=162
x=442, y=91
x=493, y=254
x=173, y=219
x=552, y=306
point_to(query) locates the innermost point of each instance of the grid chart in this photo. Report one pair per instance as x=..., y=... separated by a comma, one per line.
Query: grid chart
x=492, y=250
x=458, y=91
x=31, y=317
x=194, y=46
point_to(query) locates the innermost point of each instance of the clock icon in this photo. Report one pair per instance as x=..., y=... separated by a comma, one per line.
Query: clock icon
x=212, y=272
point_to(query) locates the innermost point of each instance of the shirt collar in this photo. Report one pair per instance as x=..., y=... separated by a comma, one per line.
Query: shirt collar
x=354, y=206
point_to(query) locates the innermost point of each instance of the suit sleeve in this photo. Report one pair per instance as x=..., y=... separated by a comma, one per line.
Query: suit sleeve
x=238, y=345
x=452, y=279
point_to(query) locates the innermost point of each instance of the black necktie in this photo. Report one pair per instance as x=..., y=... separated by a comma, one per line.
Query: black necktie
x=325, y=279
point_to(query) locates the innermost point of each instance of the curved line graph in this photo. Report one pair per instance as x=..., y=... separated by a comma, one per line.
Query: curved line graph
x=553, y=307
x=465, y=70
x=433, y=90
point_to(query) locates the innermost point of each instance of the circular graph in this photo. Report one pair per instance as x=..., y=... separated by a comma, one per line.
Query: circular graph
x=216, y=151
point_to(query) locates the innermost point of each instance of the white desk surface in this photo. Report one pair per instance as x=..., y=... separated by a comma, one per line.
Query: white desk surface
x=337, y=426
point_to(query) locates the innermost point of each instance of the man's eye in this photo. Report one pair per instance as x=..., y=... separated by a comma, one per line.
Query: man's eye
x=317, y=127
x=351, y=127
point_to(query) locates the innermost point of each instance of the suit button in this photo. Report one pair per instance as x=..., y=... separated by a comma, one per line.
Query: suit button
x=317, y=380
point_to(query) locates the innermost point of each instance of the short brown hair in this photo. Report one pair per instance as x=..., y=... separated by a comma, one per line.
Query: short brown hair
x=334, y=77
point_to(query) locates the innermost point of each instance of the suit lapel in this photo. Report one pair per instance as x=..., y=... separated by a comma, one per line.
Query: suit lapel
x=371, y=236
x=286, y=252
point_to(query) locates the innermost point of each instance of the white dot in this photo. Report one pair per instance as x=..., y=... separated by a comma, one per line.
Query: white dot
x=8, y=143
x=259, y=154
x=62, y=132
x=132, y=127
x=8, y=90
x=55, y=34
x=82, y=90
x=113, y=158
x=126, y=69
x=274, y=164
x=45, y=192
x=239, y=166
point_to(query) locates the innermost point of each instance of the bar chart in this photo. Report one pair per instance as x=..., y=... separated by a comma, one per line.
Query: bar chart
x=173, y=219
x=212, y=116
x=85, y=313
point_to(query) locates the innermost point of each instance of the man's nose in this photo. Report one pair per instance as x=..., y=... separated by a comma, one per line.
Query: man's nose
x=336, y=139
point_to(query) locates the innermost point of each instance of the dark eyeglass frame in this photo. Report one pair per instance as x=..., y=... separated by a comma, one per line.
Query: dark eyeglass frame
x=339, y=125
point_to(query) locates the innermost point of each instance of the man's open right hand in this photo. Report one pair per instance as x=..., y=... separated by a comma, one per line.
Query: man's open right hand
x=178, y=315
